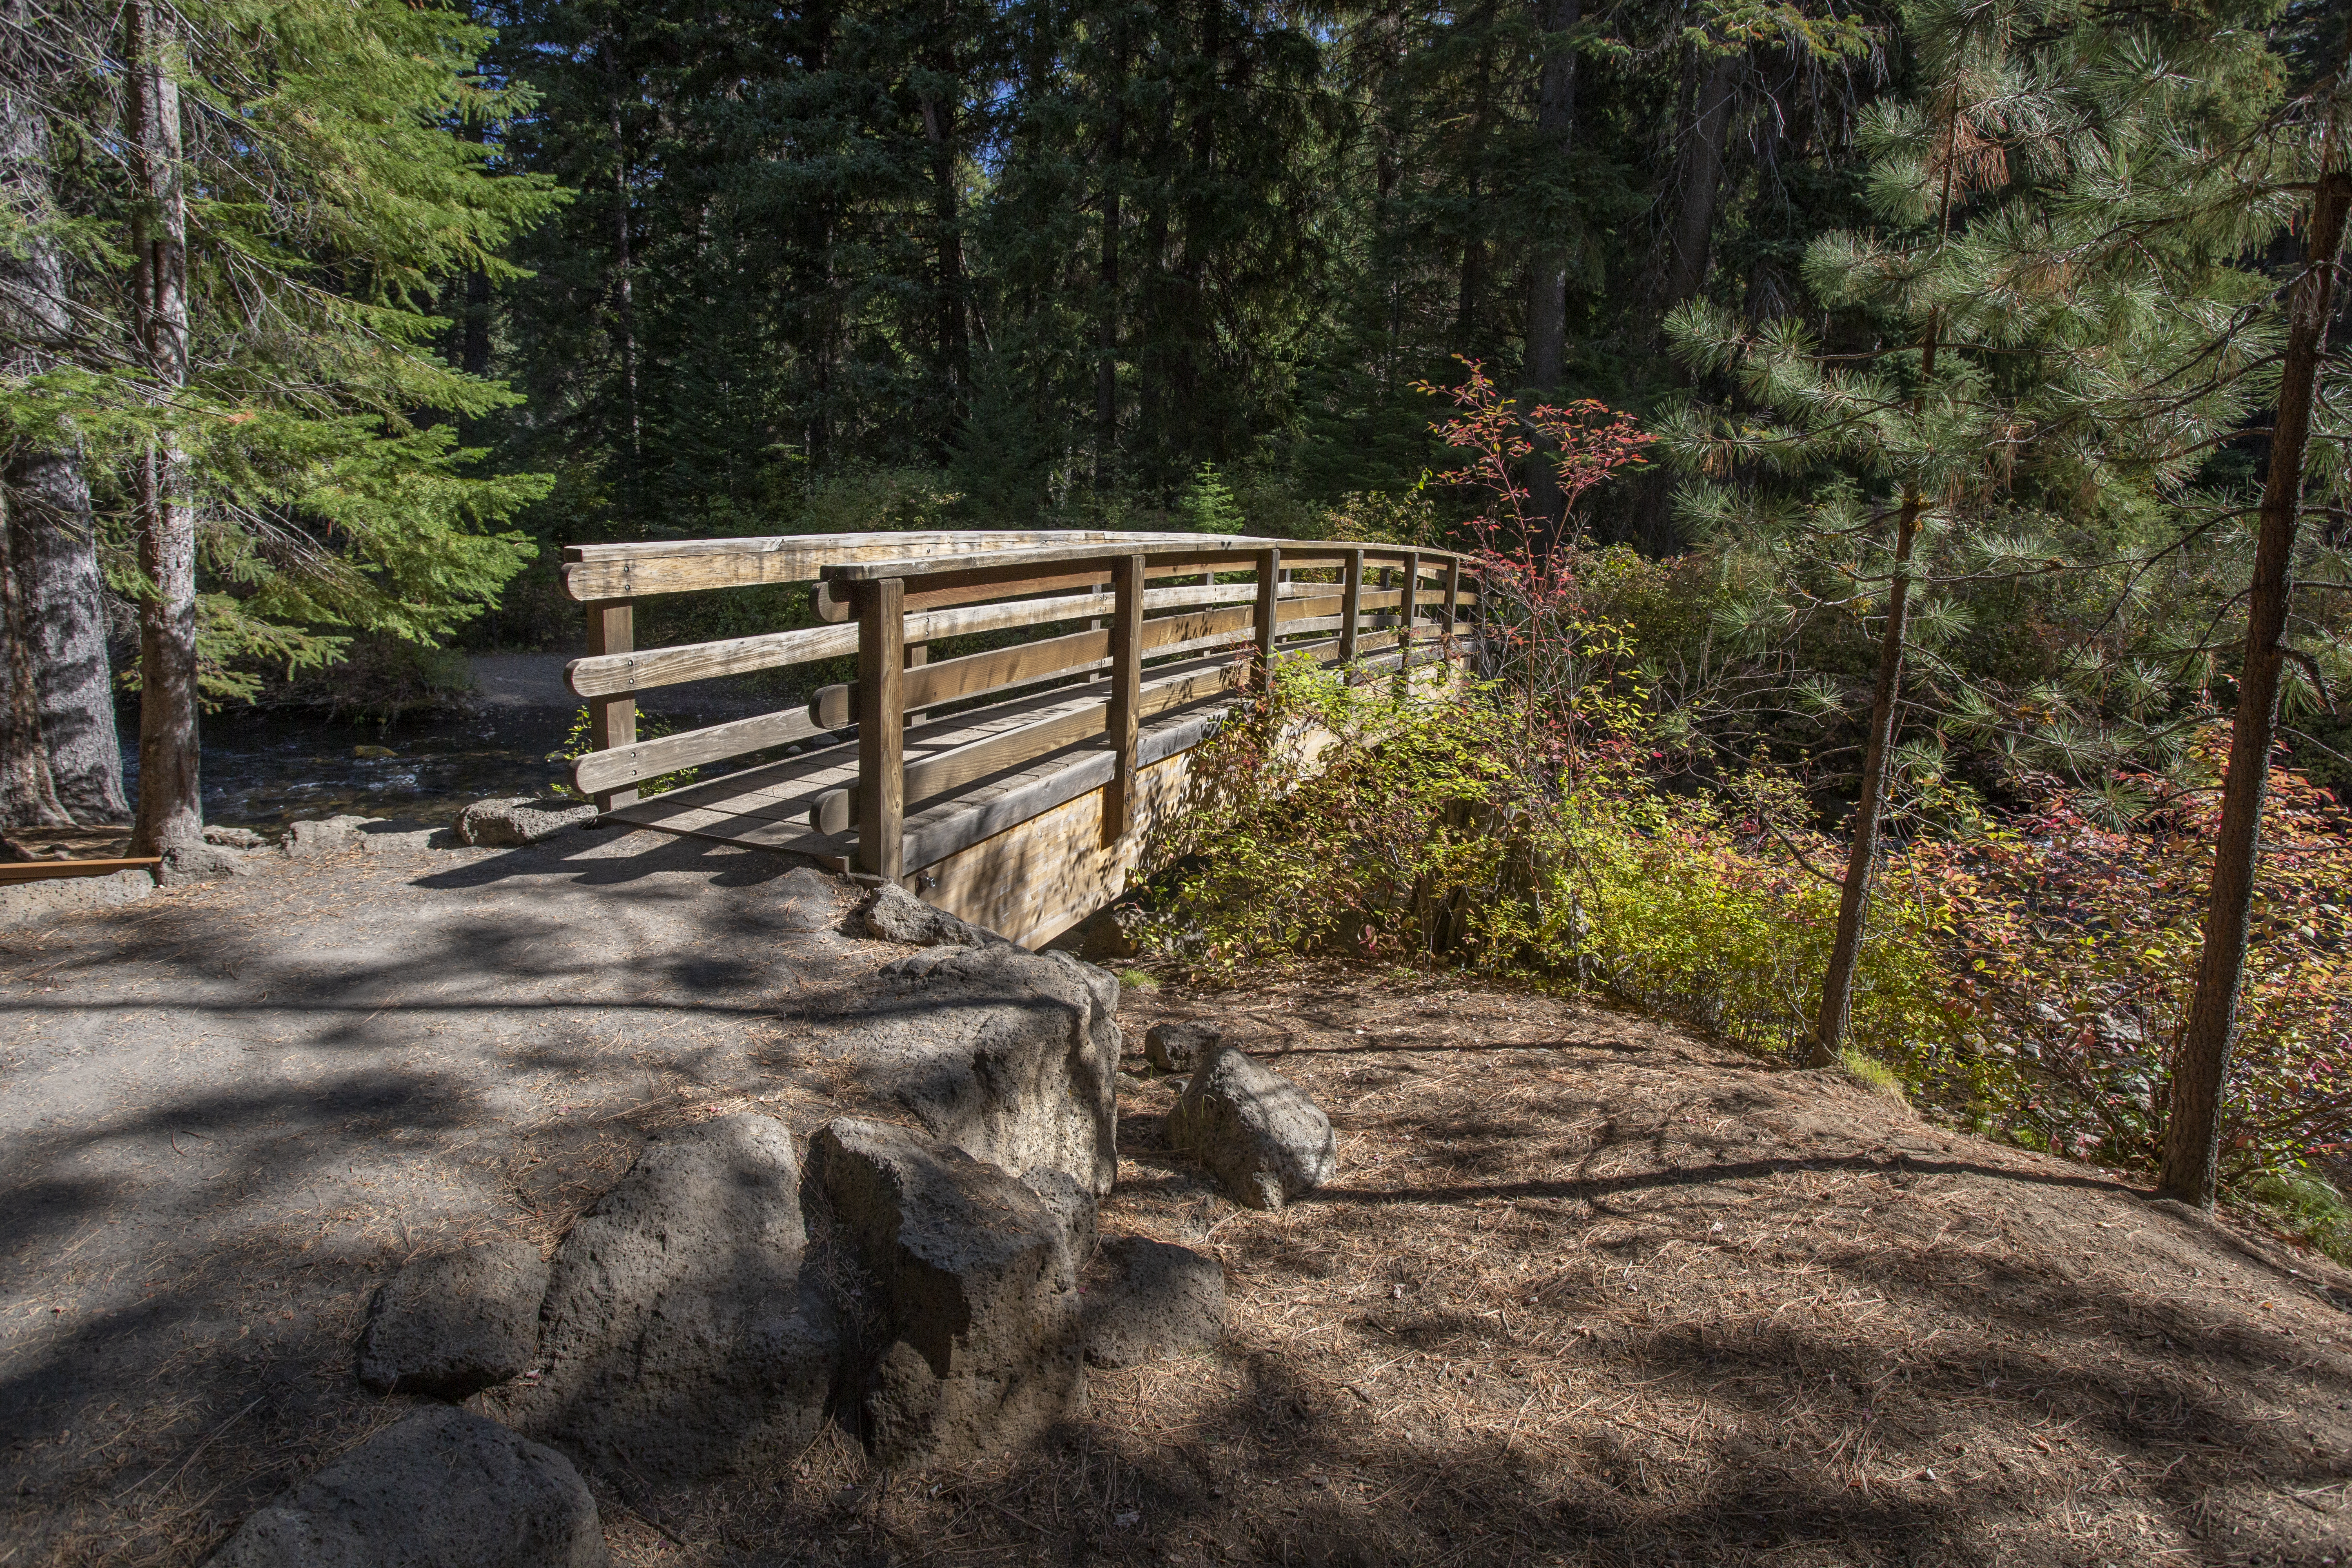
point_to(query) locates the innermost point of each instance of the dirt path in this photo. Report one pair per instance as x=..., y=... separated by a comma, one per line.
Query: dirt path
x=1584, y=1291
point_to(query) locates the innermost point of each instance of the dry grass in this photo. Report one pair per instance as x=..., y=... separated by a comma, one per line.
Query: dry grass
x=1589, y=1293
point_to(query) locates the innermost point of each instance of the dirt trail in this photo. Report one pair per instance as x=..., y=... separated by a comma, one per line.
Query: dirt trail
x=1584, y=1291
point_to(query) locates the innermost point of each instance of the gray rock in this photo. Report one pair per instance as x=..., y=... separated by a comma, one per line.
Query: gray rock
x=445, y=1489
x=325, y=835
x=200, y=862
x=455, y=1324
x=1159, y=1301
x=1179, y=1047
x=509, y=823
x=970, y=1332
x=1263, y=1140
x=893, y=914
x=1074, y=1207
x=235, y=837
x=1008, y=1054
x=807, y=899
x=677, y=1339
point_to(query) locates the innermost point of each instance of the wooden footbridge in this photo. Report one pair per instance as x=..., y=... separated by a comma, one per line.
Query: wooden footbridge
x=1014, y=785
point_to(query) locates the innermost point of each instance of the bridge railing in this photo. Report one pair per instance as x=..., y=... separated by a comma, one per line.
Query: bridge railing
x=1159, y=619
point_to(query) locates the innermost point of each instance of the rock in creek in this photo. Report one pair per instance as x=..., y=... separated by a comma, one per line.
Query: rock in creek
x=1009, y=1055
x=677, y=1339
x=1180, y=1047
x=1263, y=1139
x=446, y=1488
x=1159, y=1301
x=964, y=1300
x=449, y=1325
x=507, y=823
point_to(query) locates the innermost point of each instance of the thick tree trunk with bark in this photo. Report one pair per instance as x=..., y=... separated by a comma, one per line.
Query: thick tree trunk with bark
x=57, y=604
x=1547, y=341
x=170, y=806
x=2192, y=1127
x=1107, y=280
x=29, y=796
x=954, y=346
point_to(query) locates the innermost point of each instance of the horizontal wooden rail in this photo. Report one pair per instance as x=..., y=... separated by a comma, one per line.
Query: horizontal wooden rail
x=593, y=572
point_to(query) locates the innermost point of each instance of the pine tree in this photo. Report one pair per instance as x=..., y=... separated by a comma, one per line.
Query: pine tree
x=261, y=203
x=2015, y=355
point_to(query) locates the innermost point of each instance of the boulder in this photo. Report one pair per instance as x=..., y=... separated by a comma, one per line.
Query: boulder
x=1159, y=1301
x=509, y=823
x=325, y=835
x=1072, y=1204
x=1179, y=1047
x=235, y=837
x=893, y=914
x=1009, y=1055
x=446, y=1488
x=969, y=1332
x=30, y=903
x=451, y=1324
x=677, y=1339
x=1263, y=1140
x=200, y=862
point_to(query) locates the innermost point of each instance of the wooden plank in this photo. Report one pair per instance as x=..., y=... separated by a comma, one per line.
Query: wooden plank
x=1269, y=569
x=611, y=720
x=1164, y=548
x=1126, y=693
x=1351, y=604
x=881, y=730
x=677, y=566
x=640, y=670
x=16, y=872
x=690, y=749
x=1453, y=592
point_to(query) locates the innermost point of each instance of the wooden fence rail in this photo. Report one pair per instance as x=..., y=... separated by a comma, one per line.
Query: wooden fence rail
x=1012, y=784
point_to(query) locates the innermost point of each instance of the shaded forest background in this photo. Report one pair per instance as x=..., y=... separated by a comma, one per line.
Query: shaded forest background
x=1032, y=264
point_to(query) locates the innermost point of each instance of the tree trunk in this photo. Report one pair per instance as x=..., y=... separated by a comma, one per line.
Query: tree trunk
x=954, y=346
x=59, y=610
x=1547, y=341
x=2192, y=1130
x=29, y=796
x=624, y=281
x=1106, y=280
x=171, y=806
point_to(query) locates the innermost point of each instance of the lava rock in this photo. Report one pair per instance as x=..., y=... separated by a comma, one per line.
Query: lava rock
x=1009, y=1055
x=449, y=1325
x=1073, y=1205
x=446, y=1488
x=1180, y=1047
x=678, y=1340
x=806, y=900
x=971, y=1334
x=1263, y=1139
x=200, y=862
x=235, y=837
x=893, y=914
x=509, y=823
x=325, y=835
x=1160, y=1301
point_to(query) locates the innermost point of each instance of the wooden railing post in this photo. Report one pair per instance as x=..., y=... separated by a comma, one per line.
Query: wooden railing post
x=1452, y=594
x=1269, y=575
x=1351, y=606
x=1406, y=610
x=611, y=720
x=882, y=727
x=1126, y=693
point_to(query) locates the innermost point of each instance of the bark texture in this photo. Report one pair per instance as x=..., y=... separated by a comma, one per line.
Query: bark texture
x=171, y=807
x=1547, y=338
x=2192, y=1127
